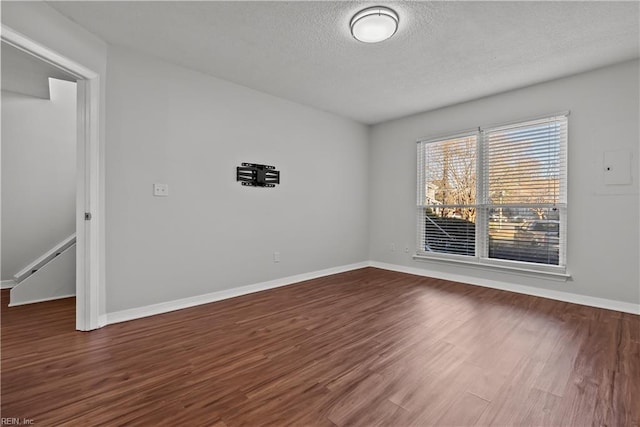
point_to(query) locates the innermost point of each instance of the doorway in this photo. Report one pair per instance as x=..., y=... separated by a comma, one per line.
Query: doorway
x=88, y=212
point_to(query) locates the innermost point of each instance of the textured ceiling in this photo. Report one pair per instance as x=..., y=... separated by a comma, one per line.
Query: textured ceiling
x=443, y=53
x=25, y=74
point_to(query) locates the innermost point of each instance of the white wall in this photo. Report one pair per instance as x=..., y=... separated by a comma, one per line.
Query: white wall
x=603, y=220
x=167, y=124
x=38, y=174
x=26, y=74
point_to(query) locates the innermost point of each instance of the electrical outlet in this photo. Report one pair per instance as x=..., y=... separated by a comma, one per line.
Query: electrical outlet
x=160, y=190
x=276, y=257
x=406, y=249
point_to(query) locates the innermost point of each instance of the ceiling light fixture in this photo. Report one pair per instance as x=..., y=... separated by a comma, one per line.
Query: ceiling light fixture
x=374, y=24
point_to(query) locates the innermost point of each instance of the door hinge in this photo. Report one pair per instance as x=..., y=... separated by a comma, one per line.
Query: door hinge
x=87, y=216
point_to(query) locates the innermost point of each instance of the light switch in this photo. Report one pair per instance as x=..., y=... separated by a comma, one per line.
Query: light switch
x=160, y=190
x=617, y=167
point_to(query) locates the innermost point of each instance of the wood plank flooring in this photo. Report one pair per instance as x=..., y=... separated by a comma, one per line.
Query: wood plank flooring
x=364, y=348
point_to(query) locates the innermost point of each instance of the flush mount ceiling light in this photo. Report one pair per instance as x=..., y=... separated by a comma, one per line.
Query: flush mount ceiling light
x=374, y=24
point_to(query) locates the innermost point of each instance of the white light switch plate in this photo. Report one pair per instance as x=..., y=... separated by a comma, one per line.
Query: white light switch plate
x=160, y=190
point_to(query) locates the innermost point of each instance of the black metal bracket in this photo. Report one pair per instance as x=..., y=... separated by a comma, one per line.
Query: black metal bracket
x=256, y=175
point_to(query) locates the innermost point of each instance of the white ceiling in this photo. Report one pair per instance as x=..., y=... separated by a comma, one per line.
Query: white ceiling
x=25, y=74
x=443, y=53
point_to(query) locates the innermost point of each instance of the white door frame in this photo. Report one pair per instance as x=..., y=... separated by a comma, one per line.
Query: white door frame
x=88, y=249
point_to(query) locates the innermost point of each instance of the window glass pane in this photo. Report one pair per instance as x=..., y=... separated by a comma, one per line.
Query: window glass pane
x=451, y=231
x=527, y=233
x=524, y=163
x=450, y=170
x=521, y=200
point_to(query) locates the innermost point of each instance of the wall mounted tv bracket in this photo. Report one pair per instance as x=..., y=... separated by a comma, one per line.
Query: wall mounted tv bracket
x=256, y=175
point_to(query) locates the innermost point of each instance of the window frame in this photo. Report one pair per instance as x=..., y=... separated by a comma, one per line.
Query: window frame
x=483, y=207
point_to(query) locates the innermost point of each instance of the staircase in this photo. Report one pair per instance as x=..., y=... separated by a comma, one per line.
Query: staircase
x=51, y=276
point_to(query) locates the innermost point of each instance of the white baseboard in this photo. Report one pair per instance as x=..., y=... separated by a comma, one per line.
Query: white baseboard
x=165, y=307
x=40, y=300
x=102, y=321
x=608, y=304
x=7, y=284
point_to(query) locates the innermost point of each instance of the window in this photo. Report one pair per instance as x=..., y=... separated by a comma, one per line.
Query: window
x=496, y=195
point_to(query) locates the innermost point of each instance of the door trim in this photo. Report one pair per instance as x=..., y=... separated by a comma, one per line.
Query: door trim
x=90, y=247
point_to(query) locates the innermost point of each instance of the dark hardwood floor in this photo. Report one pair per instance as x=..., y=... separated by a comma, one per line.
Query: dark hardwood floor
x=368, y=347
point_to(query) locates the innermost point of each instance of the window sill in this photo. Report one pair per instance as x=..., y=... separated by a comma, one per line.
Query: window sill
x=559, y=275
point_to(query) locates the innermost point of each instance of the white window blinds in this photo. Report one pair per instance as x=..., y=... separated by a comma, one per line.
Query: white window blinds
x=526, y=163
x=448, y=194
x=525, y=197
x=496, y=195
